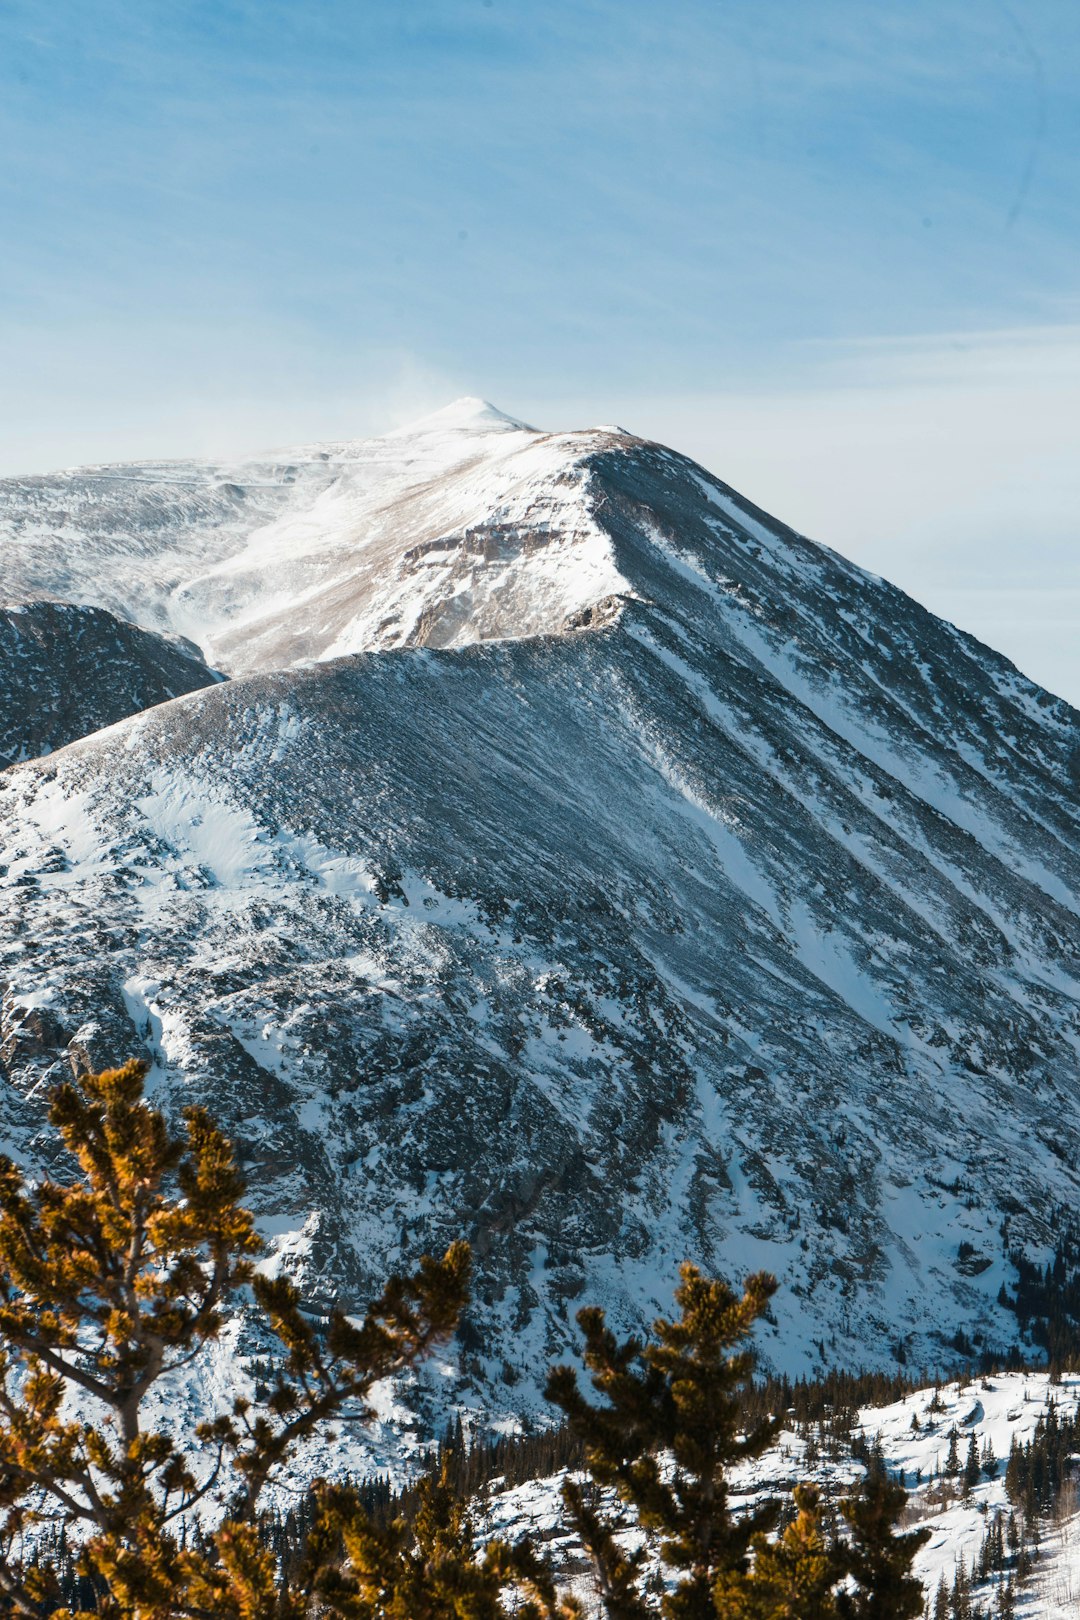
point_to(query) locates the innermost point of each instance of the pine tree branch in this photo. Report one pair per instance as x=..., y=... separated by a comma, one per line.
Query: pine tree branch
x=40, y=1347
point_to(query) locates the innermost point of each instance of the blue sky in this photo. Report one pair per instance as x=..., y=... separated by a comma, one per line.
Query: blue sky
x=830, y=248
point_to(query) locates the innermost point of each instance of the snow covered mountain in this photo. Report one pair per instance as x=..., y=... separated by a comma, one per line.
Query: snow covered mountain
x=67, y=670
x=580, y=861
x=466, y=527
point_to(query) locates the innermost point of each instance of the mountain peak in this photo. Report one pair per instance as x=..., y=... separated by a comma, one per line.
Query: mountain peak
x=743, y=926
x=467, y=414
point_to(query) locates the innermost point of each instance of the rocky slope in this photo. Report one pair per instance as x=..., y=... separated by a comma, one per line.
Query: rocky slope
x=726, y=907
x=66, y=671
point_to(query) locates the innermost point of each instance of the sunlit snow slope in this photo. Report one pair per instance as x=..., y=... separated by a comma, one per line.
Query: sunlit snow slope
x=729, y=908
x=465, y=526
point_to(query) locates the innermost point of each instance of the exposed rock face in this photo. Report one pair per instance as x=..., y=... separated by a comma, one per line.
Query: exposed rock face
x=66, y=671
x=731, y=911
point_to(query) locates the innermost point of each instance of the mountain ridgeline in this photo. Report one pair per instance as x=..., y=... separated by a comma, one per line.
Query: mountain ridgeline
x=579, y=861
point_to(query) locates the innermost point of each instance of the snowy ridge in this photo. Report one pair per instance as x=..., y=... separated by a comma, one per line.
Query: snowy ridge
x=466, y=526
x=591, y=866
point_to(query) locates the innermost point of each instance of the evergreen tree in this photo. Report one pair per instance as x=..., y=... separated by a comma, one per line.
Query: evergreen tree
x=675, y=1397
x=972, y=1465
x=112, y=1280
x=423, y=1568
x=1014, y=1469
x=952, y=1461
x=669, y=1427
x=960, y=1608
x=793, y=1577
x=880, y=1560
x=1025, y=1561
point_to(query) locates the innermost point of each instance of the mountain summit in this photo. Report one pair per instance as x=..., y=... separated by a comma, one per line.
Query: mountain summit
x=579, y=861
x=467, y=414
x=465, y=526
